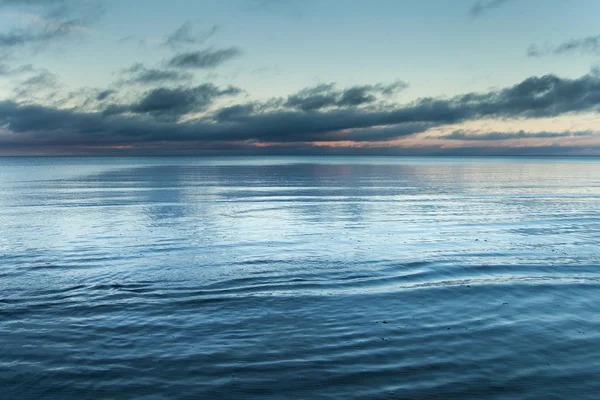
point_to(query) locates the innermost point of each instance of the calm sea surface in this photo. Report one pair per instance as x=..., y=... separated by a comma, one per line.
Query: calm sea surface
x=299, y=278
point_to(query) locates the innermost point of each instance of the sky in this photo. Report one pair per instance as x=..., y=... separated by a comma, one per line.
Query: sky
x=389, y=77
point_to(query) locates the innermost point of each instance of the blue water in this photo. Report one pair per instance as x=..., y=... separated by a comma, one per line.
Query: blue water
x=299, y=278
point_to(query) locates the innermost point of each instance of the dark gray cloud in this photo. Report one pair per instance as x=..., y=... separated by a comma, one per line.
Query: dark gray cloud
x=45, y=125
x=326, y=96
x=464, y=135
x=105, y=94
x=234, y=112
x=587, y=45
x=535, y=97
x=379, y=134
x=138, y=73
x=355, y=97
x=240, y=111
x=184, y=36
x=58, y=131
x=543, y=96
x=314, y=98
x=204, y=59
x=172, y=103
x=483, y=6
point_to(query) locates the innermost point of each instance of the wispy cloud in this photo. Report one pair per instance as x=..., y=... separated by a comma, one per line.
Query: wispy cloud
x=7, y=70
x=46, y=22
x=290, y=8
x=481, y=7
x=140, y=74
x=204, y=59
x=184, y=36
x=133, y=39
x=587, y=45
x=22, y=37
x=42, y=86
x=44, y=3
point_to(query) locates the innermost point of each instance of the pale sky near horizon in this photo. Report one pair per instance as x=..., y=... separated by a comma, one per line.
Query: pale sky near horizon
x=237, y=76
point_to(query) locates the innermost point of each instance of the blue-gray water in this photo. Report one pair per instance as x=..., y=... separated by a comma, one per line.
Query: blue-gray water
x=307, y=278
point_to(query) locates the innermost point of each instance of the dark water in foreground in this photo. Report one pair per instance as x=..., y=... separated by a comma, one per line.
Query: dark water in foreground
x=291, y=278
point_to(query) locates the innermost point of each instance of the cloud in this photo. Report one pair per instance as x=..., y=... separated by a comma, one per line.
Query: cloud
x=234, y=112
x=35, y=2
x=184, y=36
x=133, y=39
x=204, y=59
x=43, y=79
x=357, y=96
x=37, y=129
x=6, y=70
x=46, y=125
x=52, y=21
x=313, y=98
x=465, y=135
x=105, y=94
x=54, y=9
x=544, y=96
x=325, y=96
x=587, y=45
x=379, y=134
x=240, y=111
x=138, y=73
x=155, y=117
x=42, y=84
x=483, y=6
x=172, y=103
x=289, y=8
x=20, y=37
x=263, y=3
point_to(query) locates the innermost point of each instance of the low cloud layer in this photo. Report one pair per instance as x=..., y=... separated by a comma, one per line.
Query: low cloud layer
x=155, y=117
x=478, y=136
x=172, y=103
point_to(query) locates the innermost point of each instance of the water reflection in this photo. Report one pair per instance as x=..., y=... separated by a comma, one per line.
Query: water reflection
x=299, y=278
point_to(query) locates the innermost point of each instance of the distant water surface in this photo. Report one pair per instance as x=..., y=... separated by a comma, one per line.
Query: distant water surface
x=299, y=278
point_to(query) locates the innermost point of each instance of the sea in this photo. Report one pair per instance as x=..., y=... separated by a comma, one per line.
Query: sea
x=299, y=278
